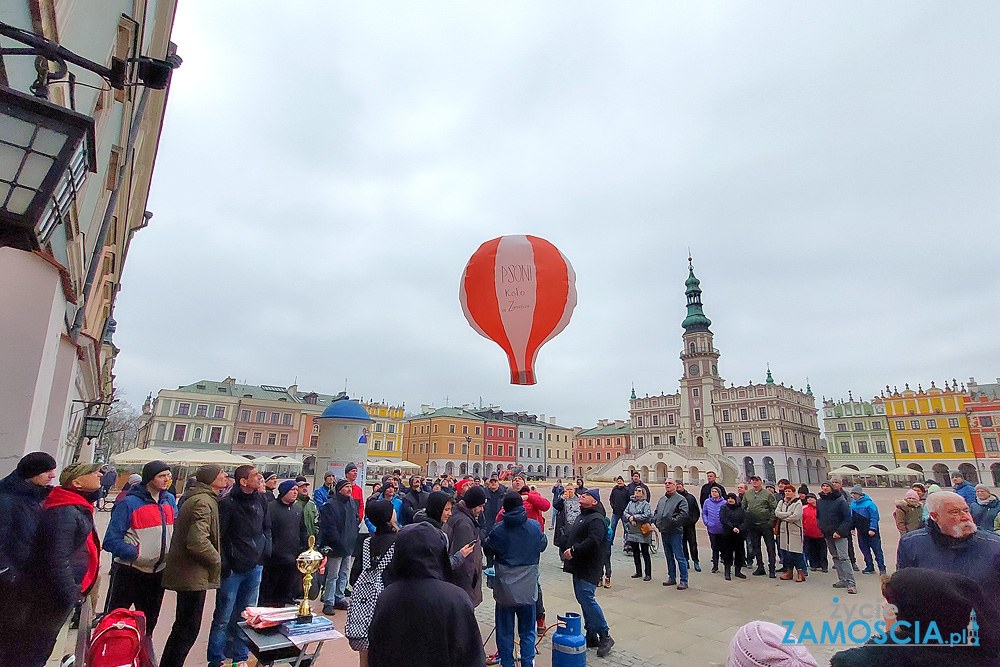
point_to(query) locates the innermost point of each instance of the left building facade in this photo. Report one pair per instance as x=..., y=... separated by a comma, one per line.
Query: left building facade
x=61, y=270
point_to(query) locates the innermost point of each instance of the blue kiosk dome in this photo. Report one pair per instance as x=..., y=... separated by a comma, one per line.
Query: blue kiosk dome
x=345, y=408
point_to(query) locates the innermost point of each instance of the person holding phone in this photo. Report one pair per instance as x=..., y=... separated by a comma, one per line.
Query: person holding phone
x=462, y=530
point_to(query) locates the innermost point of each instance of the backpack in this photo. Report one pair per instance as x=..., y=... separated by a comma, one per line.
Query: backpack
x=119, y=640
x=365, y=593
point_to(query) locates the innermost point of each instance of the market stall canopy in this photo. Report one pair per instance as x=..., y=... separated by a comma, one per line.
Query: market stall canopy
x=192, y=457
x=903, y=471
x=406, y=465
x=844, y=470
x=872, y=470
x=139, y=455
x=384, y=463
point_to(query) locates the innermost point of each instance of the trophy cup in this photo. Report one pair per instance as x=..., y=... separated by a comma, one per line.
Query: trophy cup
x=308, y=562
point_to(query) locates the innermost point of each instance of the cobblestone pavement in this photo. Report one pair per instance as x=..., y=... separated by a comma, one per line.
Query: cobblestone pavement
x=652, y=625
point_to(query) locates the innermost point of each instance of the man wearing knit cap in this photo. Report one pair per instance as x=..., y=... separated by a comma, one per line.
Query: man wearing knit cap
x=194, y=563
x=463, y=529
x=288, y=533
x=310, y=513
x=270, y=484
x=985, y=509
x=338, y=536
x=586, y=541
x=138, y=536
x=351, y=474
x=759, y=644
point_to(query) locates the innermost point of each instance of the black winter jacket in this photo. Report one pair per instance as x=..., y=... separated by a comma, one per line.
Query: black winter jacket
x=421, y=619
x=833, y=514
x=288, y=532
x=494, y=503
x=20, y=509
x=413, y=502
x=694, y=509
x=619, y=499
x=338, y=525
x=587, y=538
x=734, y=516
x=462, y=529
x=63, y=556
x=244, y=530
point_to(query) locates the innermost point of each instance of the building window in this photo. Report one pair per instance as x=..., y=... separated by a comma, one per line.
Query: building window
x=670, y=420
x=201, y=411
x=694, y=392
x=859, y=426
x=880, y=446
x=241, y=438
x=313, y=440
x=697, y=415
x=845, y=448
x=244, y=415
x=900, y=426
x=598, y=456
x=283, y=440
x=510, y=433
x=521, y=452
x=762, y=412
x=935, y=445
x=862, y=447
x=953, y=422
x=638, y=421
x=451, y=428
x=392, y=428
x=743, y=414
x=876, y=425
x=286, y=419
x=725, y=415
x=842, y=428
x=477, y=449
x=465, y=430
x=639, y=441
x=489, y=431
x=729, y=439
x=477, y=431
x=915, y=424
x=990, y=444
x=765, y=438
x=275, y=417
x=656, y=440
x=931, y=423
x=590, y=456
x=673, y=440
x=531, y=435
x=656, y=420
x=919, y=446
x=986, y=421
x=959, y=445
x=261, y=416
x=746, y=438
x=215, y=435
x=184, y=408
x=256, y=438
x=179, y=430
x=489, y=449
x=378, y=427
x=220, y=412
x=904, y=447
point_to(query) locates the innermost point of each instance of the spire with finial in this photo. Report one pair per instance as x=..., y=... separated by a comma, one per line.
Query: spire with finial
x=850, y=395
x=770, y=380
x=633, y=392
x=809, y=390
x=695, y=320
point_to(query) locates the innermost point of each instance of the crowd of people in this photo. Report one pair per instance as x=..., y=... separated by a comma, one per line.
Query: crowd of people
x=408, y=563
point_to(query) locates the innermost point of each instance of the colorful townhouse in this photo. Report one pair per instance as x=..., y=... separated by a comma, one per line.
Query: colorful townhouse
x=606, y=442
x=500, y=441
x=983, y=407
x=385, y=437
x=445, y=440
x=857, y=434
x=930, y=431
x=558, y=449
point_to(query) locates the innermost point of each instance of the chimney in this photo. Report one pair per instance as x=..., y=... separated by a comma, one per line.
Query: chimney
x=602, y=422
x=552, y=420
x=541, y=417
x=229, y=380
x=425, y=408
x=619, y=423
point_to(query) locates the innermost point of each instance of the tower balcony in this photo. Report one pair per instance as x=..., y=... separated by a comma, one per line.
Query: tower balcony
x=699, y=351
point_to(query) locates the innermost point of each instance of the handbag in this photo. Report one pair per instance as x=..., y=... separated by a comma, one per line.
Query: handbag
x=646, y=528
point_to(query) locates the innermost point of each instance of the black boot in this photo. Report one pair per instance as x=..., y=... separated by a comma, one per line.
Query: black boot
x=715, y=567
x=637, y=575
x=593, y=641
x=759, y=572
x=729, y=576
x=605, y=645
x=740, y=575
x=770, y=572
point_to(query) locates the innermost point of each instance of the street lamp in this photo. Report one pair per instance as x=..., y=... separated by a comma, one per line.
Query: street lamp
x=45, y=152
x=468, y=450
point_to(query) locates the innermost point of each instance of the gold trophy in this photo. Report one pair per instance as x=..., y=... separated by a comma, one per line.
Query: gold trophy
x=307, y=562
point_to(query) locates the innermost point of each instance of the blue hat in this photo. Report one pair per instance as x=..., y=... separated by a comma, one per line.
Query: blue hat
x=594, y=493
x=285, y=487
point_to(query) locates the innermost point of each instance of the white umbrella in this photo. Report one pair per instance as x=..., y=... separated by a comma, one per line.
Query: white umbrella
x=844, y=470
x=139, y=455
x=407, y=465
x=903, y=471
x=217, y=456
x=872, y=470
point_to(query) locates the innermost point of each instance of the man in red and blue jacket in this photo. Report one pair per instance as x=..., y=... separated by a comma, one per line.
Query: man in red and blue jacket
x=138, y=537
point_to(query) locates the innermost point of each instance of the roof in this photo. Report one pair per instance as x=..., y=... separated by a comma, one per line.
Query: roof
x=262, y=392
x=346, y=409
x=454, y=413
x=609, y=429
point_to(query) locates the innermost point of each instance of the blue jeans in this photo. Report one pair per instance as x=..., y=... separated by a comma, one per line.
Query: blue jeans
x=673, y=549
x=593, y=617
x=791, y=560
x=505, y=616
x=615, y=520
x=237, y=592
x=868, y=544
x=338, y=570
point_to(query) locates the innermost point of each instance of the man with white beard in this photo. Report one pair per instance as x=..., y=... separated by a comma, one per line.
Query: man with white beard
x=951, y=543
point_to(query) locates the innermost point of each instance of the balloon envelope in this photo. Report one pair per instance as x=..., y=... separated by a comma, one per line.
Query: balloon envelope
x=518, y=291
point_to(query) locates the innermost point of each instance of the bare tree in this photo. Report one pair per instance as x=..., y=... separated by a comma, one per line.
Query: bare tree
x=122, y=427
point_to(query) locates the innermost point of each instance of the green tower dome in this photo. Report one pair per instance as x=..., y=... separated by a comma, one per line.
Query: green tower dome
x=695, y=320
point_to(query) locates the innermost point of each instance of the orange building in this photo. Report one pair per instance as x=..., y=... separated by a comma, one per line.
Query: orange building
x=593, y=447
x=445, y=440
x=983, y=407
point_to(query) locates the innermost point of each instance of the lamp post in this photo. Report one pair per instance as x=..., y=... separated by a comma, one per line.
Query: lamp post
x=93, y=427
x=468, y=451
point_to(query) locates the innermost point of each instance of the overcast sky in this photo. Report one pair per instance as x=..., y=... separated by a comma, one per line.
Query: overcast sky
x=326, y=169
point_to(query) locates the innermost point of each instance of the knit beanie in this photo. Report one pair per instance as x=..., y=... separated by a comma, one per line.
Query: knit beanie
x=35, y=463
x=341, y=484
x=474, y=497
x=858, y=489
x=152, y=469
x=268, y=476
x=349, y=467
x=379, y=512
x=984, y=488
x=75, y=470
x=285, y=487
x=804, y=489
x=511, y=501
x=207, y=473
x=759, y=644
x=933, y=488
x=911, y=495
x=594, y=493
x=135, y=478
x=435, y=504
x=462, y=486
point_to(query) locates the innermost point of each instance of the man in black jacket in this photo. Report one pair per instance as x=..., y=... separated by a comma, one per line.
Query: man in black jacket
x=620, y=496
x=463, y=529
x=338, y=535
x=414, y=500
x=706, y=489
x=21, y=496
x=245, y=541
x=637, y=482
x=690, y=536
x=838, y=485
x=833, y=515
x=280, y=581
x=584, y=558
x=421, y=618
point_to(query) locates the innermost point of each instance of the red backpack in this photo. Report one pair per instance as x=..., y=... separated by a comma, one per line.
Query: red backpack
x=119, y=640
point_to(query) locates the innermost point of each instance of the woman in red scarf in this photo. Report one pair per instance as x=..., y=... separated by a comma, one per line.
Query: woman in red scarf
x=68, y=558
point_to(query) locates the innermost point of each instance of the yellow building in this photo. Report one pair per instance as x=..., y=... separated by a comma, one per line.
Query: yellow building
x=385, y=437
x=930, y=432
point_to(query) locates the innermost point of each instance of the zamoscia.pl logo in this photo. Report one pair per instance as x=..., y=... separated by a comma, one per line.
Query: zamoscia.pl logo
x=861, y=623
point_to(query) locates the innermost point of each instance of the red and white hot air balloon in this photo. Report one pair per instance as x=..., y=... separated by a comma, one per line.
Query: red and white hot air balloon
x=518, y=291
